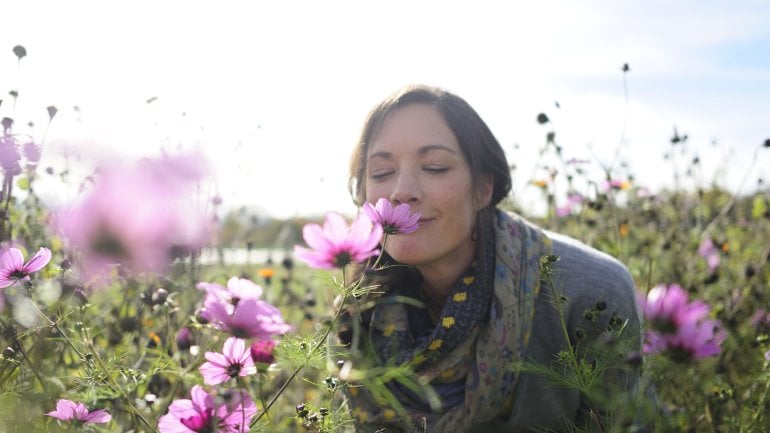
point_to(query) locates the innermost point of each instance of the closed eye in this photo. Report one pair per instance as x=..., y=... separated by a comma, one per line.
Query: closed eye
x=436, y=169
x=380, y=175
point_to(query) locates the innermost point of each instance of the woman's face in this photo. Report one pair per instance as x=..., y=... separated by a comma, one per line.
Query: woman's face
x=416, y=159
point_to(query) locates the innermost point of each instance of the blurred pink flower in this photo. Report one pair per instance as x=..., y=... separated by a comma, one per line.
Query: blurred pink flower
x=394, y=220
x=615, y=184
x=235, y=360
x=335, y=244
x=708, y=251
x=761, y=320
x=644, y=192
x=137, y=217
x=13, y=268
x=695, y=340
x=573, y=199
x=667, y=306
x=32, y=152
x=678, y=326
x=576, y=161
x=237, y=289
x=250, y=318
x=67, y=410
x=9, y=155
x=204, y=414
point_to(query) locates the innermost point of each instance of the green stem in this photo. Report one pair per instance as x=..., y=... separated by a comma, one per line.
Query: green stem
x=315, y=349
x=111, y=380
x=56, y=326
x=24, y=355
x=760, y=404
x=262, y=394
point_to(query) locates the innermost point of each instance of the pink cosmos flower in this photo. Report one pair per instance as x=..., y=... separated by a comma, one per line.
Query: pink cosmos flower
x=761, y=320
x=250, y=318
x=204, y=413
x=137, y=217
x=9, y=156
x=667, y=306
x=235, y=360
x=32, y=152
x=576, y=161
x=678, y=326
x=573, y=199
x=237, y=289
x=696, y=340
x=335, y=244
x=13, y=268
x=615, y=184
x=394, y=220
x=708, y=251
x=67, y=410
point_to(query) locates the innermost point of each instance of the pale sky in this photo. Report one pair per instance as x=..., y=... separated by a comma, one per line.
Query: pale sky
x=275, y=92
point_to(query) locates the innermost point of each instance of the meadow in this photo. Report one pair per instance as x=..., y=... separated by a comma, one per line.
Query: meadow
x=107, y=315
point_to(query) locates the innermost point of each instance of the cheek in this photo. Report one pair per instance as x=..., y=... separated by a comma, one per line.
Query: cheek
x=375, y=192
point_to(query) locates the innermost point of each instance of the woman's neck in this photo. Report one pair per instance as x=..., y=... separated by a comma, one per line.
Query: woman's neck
x=438, y=279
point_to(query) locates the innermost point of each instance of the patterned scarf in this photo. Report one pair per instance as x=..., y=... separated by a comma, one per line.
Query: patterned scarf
x=467, y=354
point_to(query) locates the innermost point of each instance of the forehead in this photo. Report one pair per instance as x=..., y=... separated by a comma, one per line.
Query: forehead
x=415, y=127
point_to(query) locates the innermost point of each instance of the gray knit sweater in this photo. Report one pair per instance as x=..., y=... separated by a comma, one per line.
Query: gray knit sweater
x=595, y=285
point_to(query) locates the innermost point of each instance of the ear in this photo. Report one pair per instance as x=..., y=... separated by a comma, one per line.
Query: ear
x=484, y=192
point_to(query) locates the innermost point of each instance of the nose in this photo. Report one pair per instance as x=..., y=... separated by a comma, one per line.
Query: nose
x=406, y=189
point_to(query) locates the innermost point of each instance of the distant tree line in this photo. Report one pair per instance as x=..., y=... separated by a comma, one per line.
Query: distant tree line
x=247, y=228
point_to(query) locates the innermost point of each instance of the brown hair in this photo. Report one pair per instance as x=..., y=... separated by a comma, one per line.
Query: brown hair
x=480, y=148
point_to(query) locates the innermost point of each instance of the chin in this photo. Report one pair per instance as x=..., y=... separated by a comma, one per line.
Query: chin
x=407, y=250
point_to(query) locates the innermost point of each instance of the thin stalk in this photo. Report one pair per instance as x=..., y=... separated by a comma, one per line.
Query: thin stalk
x=111, y=380
x=317, y=347
x=24, y=355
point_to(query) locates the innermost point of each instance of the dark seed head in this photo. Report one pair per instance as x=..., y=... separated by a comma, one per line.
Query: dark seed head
x=159, y=296
x=9, y=353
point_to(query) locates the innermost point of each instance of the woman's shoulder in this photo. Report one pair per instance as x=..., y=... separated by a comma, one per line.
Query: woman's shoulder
x=584, y=264
x=579, y=262
x=585, y=275
x=594, y=283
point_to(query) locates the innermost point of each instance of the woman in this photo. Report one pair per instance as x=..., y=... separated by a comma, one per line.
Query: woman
x=476, y=297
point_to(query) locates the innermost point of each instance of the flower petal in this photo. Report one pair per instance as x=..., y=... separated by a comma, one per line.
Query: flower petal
x=233, y=349
x=38, y=261
x=213, y=374
x=97, y=417
x=12, y=260
x=201, y=400
x=65, y=410
x=243, y=288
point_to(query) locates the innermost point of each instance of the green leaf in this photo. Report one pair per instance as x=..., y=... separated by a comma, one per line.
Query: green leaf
x=23, y=183
x=759, y=208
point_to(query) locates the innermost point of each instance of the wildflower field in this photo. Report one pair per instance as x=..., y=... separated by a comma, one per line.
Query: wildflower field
x=108, y=321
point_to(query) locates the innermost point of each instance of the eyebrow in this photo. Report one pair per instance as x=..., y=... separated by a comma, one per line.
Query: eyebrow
x=420, y=151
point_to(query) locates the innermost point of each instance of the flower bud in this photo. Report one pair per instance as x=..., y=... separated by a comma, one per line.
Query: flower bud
x=159, y=296
x=302, y=411
x=262, y=352
x=184, y=339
